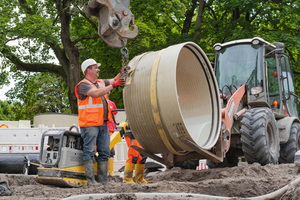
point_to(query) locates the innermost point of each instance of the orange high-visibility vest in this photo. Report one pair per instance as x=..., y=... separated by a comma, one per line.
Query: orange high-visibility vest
x=90, y=110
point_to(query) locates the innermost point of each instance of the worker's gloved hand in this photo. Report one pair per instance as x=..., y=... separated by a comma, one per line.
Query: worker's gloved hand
x=126, y=68
x=119, y=83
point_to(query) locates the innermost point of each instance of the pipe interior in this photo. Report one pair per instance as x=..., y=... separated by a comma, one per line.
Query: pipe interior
x=194, y=96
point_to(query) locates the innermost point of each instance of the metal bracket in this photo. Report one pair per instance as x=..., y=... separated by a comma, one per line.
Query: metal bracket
x=203, y=152
x=114, y=18
x=151, y=155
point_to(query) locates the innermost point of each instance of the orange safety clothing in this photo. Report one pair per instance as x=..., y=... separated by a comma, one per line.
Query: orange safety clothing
x=133, y=155
x=90, y=110
x=111, y=124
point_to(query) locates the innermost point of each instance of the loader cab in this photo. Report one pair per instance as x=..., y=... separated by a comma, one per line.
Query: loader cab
x=264, y=67
x=280, y=82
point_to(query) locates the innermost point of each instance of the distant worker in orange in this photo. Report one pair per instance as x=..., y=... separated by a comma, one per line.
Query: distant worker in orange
x=111, y=128
x=135, y=160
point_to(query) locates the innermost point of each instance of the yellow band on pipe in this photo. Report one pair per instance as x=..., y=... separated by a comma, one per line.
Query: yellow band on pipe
x=155, y=111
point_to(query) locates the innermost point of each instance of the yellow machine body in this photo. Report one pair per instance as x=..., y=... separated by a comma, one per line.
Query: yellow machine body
x=118, y=134
x=63, y=177
x=61, y=162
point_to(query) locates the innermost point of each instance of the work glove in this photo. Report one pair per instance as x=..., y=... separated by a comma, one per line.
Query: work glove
x=119, y=83
x=126, y=68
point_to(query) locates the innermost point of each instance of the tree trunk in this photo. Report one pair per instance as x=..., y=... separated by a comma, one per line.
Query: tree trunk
x=236, y=14
x=74, y=79
x=188, y=18
x=199, y=20
x=68, y=55
x=72, y=66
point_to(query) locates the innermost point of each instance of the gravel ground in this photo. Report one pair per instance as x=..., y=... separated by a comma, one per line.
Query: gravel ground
x=236, y=182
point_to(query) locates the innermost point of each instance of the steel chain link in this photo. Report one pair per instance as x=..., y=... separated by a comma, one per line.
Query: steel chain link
x=125, y=59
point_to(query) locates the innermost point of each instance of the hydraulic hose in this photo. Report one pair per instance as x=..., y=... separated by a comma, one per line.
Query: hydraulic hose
x=149, y=195
x=277, y=192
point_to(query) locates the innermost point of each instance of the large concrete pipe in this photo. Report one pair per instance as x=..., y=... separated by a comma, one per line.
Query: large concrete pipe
x=172, y=96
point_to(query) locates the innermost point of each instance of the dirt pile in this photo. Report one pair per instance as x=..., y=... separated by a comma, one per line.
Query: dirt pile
x=237, y=182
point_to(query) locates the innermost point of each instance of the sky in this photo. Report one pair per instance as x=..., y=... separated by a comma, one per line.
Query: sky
x=2, y=93
x=4, y=89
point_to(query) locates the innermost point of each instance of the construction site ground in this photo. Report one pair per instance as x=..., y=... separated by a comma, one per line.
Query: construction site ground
x=236, y=182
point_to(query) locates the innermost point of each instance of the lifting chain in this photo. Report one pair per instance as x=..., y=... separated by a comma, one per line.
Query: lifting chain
x=125, y=58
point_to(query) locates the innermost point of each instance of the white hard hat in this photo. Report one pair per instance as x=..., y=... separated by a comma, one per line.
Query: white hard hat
x=88, y=62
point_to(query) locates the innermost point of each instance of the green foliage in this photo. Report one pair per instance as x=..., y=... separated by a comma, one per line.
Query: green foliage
x=160, y=25
x=38, y=93
x=4, y=78
x=38, y=27
x=6, y=113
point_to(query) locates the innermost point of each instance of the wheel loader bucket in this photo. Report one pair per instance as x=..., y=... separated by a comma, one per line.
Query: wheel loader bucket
x=172, y=96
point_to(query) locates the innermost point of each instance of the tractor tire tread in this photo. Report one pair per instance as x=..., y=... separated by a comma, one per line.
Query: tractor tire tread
x=254, y=136
x=288, y=149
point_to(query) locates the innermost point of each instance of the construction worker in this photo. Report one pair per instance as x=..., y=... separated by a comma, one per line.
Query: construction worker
x=93, y=113
x=111, y=128
x=135, y=160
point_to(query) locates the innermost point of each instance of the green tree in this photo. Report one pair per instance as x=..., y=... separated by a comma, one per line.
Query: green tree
x=38, y=93
x=62, y=27
x=42, y=26
x=6, y=112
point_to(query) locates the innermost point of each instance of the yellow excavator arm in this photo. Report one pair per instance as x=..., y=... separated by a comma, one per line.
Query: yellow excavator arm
x=118, y=134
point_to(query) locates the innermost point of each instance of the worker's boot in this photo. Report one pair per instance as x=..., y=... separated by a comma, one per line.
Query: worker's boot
x=139, y=173
x=89, y=172
x=110, y=166
x=102, y=172
x=128, y=172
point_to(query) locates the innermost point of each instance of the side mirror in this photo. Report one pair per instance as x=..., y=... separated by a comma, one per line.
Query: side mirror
x=296, y=99
x=279, y=47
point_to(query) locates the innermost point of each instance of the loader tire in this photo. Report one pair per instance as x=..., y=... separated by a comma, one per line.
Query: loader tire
x=288, y=149
x=260, y=136
x=230, y=161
